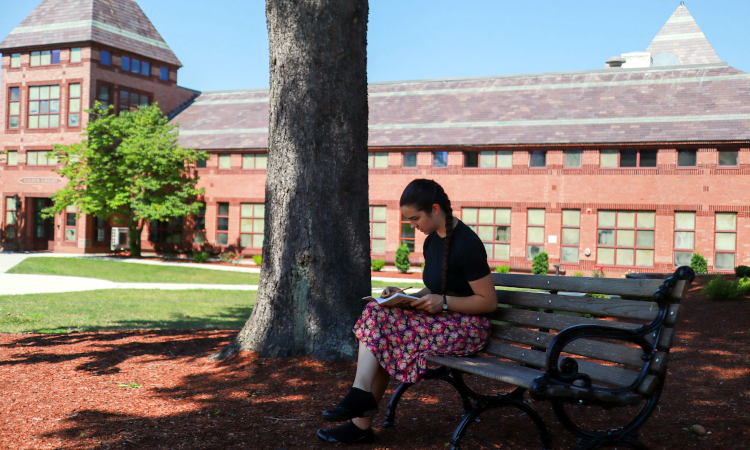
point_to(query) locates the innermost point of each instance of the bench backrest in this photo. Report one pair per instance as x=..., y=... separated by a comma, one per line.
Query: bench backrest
x=526, y=322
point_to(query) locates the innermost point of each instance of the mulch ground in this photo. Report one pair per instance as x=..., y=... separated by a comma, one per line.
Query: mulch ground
x=157, y=390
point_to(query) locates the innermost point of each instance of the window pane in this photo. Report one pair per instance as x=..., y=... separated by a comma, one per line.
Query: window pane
x=146, y=69
x=125, y=63
x=606, y=218
x=46, y=58
x=381, y=160
x=471, y=159
x=44, y=92
x=246, y=210
x=55, y=56
x=105, y=57
x=469, y=215
x=502, y=215
x=407, y=231
x=225, y=161
x=75, y=55
x=260, y=210
x=505, y=159
x=486, y=215
x=570, y=254
x=75, y=90
x=370, y=160
x=223, y=209
x=538, y=158
x=31, y=158
x=33, y=121
x=378, y=246
x=646, y=219
x=246, y=225
x=608, y=158
x=645, y=239
x=487, y=159
x=42, y=158
x=15, y=60
x=35, y=58
x=682, y=258
x=44, y=107
x=12, y=158
x=684, y=220
x=246, y=240
x=410, y=159
x=502, y=234
x=533, y=250
x=15, y=94
x=572, y=158
x=536, y=217
x=485, y=233
x=104, y=92
x=686, y=158
x=648, y=158
x=248, y=161
x=606, y=237
x=502, y=251
x=536, y=234
x=571, y=218
x=570, y=236
x=726, y=241
x=628, y=158
x=626, y=219
x=135, y=66
x=221, y=239
x=261, y=161
x=44, y=121
x=70, y=219
x=440, y=159
x=378, y=230
x=13, y=123
x=34, y=93
x=258, y=240
x=726, y=221
x=15, y=108
x=70, y=234
x=728, y=158
x=223, y=223
x=164, y=74
x=378, y=213
x=625, y=238
x=724, y=261
x=684, y=239
x=54, y=92
x=10, y=218
x=644, y=258
x=75, y=105
x=624, y=257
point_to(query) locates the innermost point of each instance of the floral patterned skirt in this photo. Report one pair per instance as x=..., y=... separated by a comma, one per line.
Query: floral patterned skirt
x=401, y=339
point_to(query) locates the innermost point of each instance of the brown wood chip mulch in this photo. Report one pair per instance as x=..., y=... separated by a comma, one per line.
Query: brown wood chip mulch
x=157, y=390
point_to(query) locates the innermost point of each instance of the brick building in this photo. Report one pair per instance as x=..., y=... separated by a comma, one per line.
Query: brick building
x=633, y=167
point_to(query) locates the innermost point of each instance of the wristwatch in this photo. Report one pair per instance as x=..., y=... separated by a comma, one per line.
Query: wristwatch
x=445, y=303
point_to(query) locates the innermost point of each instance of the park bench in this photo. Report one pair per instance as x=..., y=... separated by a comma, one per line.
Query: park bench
x=606, y=352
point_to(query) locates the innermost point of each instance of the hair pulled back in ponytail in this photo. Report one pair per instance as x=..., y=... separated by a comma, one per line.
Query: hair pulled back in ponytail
x=421, y=194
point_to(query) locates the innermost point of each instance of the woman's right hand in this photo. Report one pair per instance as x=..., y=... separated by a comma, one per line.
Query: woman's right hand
x=390, y=290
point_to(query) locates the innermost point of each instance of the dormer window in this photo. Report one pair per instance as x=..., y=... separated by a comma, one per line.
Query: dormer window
x=15, y=60
x=75, y=55
x=45, y=58
x=136, y=66
x=105, y=58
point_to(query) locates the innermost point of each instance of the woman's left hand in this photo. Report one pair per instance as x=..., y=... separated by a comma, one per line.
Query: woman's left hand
x=432, y=303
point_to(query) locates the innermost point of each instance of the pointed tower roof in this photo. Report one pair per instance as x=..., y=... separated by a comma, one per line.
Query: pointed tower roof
x=116, y=23
x=682, y=37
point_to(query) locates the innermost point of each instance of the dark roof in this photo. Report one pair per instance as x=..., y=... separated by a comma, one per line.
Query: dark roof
x=117, y=23
x=681, y=36
x=658, y=104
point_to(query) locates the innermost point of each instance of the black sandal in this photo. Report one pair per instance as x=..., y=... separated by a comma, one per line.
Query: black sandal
x=357, y=403
x=346, y=434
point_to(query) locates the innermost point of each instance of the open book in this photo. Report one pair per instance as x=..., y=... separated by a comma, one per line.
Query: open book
x=397, y=299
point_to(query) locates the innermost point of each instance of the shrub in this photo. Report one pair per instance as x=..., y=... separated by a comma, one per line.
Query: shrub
x=598, y=273
x=502, y=269
x=744, y=286
x=258, y=259
x=200, y=257
x=578, y=274
x=698, y=263
x=540, y=264
x=402, y=258
x=377, y=264
x=231, y=257
x=721, y=289
x=742, y=271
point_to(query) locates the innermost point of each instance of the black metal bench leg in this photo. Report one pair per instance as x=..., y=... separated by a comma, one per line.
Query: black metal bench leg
x=544, y=436
x=458, y=435
x=390, y=415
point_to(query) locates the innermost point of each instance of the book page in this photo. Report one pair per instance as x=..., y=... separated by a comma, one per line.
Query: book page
x=397, y=299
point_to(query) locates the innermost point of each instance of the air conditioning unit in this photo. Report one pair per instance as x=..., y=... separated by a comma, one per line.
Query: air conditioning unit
x=120, y=238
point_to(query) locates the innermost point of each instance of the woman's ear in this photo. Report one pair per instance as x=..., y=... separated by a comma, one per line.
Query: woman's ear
x=435, y=209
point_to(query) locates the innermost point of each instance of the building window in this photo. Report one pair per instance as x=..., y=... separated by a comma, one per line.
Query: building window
x=14, y=108
x=41, y=158
x=571, y=235
x=75, y=55
x=534, y=233
x=11, y=211
x=471, y=159
x=105, y=58
x=74, y=106
x=255, y=161
x=377, y=160
x=103, y=96
x=164, y=73
x=407, y=234
x=726, y=240
x=627, y=158
x=252, y=224
x=573, y=158
x=537, y=158
x=125, y=63
x=44, y=106
x=626, y=238
x=12, y=158
x=684, y=238
x=130, y=101
x=222, y=224
x=225, y=161
x=377, y=230
x=201, y=164
x=490, y=160
x=410, y=159
x=166, y=231
x=200, y=226
x=45, y=58
x=15, y=60
x=440, y=159
x=728, y=158
x=100, y=230
x=70, y=223
x=492, y=225
x=686, y=158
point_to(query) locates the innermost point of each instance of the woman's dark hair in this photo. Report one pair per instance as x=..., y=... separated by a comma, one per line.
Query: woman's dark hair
x=421, y=194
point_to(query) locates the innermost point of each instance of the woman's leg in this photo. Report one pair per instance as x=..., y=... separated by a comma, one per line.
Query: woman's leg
x=367, y=369
x=380, y=383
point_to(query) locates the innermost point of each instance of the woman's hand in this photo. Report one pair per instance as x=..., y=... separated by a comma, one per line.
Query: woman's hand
x=432, y=303
x=390, y=290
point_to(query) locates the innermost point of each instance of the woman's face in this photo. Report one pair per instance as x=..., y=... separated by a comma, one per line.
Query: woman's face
x=422, y=221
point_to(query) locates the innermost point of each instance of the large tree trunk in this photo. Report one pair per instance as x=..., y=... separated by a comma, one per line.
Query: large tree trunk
x=316, y=258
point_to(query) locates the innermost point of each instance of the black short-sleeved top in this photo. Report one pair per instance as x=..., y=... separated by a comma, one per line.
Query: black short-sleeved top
x=467, y=261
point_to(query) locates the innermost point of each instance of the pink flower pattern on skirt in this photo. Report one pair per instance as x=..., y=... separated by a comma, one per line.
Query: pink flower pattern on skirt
x=401, y=339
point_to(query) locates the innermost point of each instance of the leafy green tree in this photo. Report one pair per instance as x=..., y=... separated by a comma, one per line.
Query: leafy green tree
x=540, y=264
x=131, y=167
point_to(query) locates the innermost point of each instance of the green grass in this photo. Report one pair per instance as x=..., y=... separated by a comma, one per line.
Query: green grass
x=123, y=272
x=120, y=309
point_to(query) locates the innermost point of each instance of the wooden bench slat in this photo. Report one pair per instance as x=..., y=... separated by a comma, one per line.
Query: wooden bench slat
x=606, y=307
x=494, y=369
x=615, y=376
x=610, y=286
x=583, y=347
x=559, y=322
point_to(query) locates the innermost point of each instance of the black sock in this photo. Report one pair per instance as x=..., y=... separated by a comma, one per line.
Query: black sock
x=355, y=397
x=347, y=432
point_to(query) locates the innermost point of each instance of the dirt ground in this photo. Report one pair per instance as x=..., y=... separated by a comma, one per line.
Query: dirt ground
x=157, y=390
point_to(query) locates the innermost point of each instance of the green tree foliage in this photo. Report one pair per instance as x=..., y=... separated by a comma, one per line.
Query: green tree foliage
x=128, y=166
x=402, y=258
x=540, y=264
x=742, y=271
x=698, y=263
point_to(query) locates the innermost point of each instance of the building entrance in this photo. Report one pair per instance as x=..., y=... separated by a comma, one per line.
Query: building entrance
x=44, y=229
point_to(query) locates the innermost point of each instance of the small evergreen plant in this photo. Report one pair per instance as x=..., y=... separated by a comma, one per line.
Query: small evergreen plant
x=698, y=263
x=377, y=264
x=578, y=274
x=402, y=258
x=200, y=257
x=742, y=271
x=502, y=269
x=540, y=264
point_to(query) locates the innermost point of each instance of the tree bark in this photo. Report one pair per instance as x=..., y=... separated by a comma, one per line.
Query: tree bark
x=316, y=257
